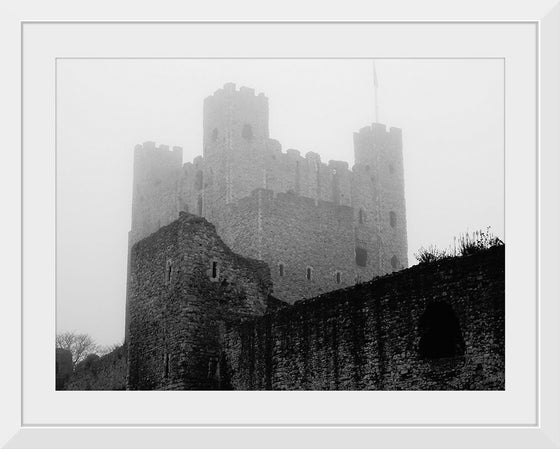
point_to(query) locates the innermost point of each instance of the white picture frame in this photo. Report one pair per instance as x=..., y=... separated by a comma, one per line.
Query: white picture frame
x=27, y=403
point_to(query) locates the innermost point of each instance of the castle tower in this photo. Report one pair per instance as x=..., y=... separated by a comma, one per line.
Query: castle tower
x=379, y=167
x=154, y=196
x=235, y=127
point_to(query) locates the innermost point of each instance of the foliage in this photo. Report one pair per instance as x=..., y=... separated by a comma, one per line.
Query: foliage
x=477, y=241
x=430, y=254
x=465, y=245
x=79, y=345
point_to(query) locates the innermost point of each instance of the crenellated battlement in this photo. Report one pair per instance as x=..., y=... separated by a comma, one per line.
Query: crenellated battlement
x=378, y=132
x=149, y=147
x=231, y=88
x=286, y=207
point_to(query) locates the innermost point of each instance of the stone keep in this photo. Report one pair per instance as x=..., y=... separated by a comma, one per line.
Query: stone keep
x=319, y=226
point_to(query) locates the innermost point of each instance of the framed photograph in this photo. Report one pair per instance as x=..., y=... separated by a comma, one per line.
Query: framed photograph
x=305, y=231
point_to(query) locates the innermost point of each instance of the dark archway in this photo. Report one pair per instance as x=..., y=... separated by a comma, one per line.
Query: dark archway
x=440, y=332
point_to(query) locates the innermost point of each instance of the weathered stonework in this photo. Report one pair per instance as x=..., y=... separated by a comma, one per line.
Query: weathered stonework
x=63, y=367
x=185, y=286
x=384, y=334
x=240, y=183
x=100, y=373
x=221, y=247
x=203, y=318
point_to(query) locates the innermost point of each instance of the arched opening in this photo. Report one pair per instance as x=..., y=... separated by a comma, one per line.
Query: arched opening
x=394, y=262
x=440, y=332
x=393, y=219
x=281, y=269
x=247, y=132
x=309, y=273
x=338, y=277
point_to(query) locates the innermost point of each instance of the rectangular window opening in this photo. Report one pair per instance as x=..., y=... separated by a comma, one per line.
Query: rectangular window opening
x=214, y=270
x=309, y=273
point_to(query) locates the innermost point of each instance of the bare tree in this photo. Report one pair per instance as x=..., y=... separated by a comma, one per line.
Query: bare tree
x=79, y=345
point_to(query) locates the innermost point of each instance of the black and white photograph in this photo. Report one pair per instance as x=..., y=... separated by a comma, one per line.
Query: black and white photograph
x=280, y=224
x=268, y=225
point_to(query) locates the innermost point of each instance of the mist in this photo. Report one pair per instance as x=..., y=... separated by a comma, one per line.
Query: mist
x=451, y=112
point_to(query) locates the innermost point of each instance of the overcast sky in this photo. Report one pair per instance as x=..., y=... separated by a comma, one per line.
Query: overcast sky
x=450, y=111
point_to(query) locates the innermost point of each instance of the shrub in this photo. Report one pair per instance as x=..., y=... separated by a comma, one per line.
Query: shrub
x=464, y=245
x=477, y=241
x=430, y=254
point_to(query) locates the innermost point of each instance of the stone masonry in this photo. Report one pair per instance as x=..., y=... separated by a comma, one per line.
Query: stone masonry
x=203, y=318
x=243, y=175
x=438, y=326
x=185, y=286
x=251, y=268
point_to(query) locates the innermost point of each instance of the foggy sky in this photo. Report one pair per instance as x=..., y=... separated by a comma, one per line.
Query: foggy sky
x=450, y=111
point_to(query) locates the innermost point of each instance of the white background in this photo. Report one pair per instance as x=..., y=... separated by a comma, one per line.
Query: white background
x=515, y=42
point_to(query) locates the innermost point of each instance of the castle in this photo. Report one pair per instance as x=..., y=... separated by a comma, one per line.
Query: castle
x=255, y=269
x=319, y=227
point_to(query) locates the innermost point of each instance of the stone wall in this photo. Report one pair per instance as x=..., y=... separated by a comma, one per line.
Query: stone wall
x=310, y=247
x=239, y=159
x=100, y=373
x=64, y=368
x=434, y=326
x=185, y=286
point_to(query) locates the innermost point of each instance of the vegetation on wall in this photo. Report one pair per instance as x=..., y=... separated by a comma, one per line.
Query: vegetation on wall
x=464, y=245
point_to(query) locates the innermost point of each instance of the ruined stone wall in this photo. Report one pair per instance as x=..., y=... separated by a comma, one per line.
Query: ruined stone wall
x=239, y=157
x=63, y=368
x=384, y=334
x=100, y=373
x=156, y=200
x=185, y=285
